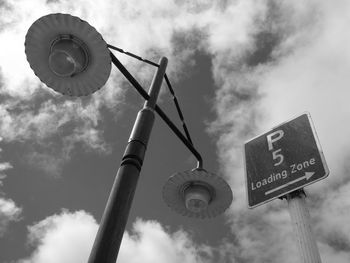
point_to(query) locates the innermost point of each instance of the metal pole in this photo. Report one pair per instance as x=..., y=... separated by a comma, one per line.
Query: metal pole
x=112, y=226
x=300, y=216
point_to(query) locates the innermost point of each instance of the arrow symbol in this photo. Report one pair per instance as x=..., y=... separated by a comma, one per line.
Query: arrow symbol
x=307, y=176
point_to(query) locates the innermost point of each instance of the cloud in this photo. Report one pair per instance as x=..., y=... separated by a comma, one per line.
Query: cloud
x=54, y=127
x=65, y=237
x=9, y=212
x=329, y=254
x=68, y=237
x=334, y=230
x=4, y=166
x=151, y=242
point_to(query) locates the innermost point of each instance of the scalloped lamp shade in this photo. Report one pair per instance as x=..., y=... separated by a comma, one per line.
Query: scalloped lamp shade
x=197, y=193
x=68, y=54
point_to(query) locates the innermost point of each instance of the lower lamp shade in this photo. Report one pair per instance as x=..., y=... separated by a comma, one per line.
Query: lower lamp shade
x=68, y=54
x=197, y=193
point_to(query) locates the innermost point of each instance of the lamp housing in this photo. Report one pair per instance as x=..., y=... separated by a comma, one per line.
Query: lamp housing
x=197, y=193
x=68, y=54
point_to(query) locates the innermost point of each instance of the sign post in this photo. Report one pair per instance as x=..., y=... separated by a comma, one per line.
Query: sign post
x=307, y=246
x=280, y=163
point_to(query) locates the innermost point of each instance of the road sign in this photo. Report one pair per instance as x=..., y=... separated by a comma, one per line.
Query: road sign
x=282, y=160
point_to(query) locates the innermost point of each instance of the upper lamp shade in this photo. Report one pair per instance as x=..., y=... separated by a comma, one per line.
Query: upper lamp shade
x=197, y=193
x=68, y=54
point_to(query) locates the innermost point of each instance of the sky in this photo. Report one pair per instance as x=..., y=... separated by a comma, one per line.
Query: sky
x=238, y=68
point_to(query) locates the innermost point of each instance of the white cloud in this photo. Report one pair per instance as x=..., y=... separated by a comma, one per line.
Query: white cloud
x=333, y=228
x=9, y=212
x=329, y=254
x=68, y=237
x=3, y=167
x=150, y=242
x=63, y=124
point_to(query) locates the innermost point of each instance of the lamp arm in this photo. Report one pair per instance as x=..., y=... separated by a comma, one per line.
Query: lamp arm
x=160, y=112
x=189, y=146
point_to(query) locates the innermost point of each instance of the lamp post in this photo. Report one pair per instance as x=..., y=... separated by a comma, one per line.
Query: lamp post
x=115, y=216
x=71, y=57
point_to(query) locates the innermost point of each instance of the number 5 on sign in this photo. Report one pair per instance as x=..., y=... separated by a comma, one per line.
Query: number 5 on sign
x=276, y=155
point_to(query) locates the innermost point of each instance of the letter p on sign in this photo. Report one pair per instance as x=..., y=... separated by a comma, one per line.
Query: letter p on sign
x=274, y=137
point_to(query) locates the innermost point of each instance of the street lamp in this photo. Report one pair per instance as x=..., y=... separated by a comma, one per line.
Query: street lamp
x=71, y=57
x=197, y=193
x=67, y=54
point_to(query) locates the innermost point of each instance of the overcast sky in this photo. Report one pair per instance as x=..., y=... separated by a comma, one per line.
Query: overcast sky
x=238, y=68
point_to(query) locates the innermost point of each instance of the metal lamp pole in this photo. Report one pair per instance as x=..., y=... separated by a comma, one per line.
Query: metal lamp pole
x=110, y=233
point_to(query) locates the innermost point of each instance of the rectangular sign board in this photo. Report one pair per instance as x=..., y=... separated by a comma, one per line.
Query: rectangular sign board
x=283, y=160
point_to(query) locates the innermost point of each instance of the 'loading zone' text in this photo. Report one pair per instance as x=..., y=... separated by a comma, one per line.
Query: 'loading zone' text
x=295, y=167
